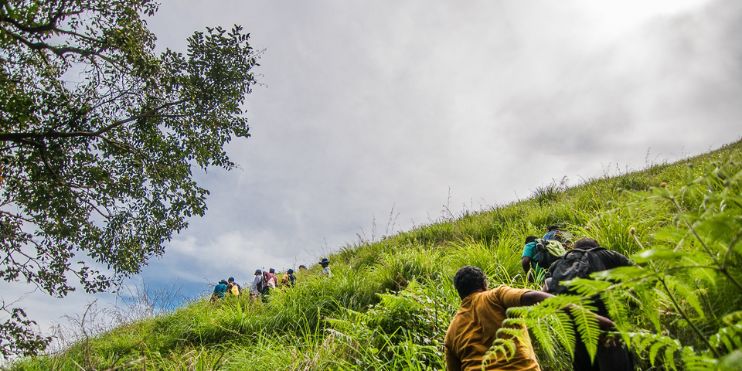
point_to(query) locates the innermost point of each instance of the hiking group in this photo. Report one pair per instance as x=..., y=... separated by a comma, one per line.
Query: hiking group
x=549, y=260
x=263, y=282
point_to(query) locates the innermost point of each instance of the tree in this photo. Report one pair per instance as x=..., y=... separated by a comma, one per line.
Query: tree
x=99, y=137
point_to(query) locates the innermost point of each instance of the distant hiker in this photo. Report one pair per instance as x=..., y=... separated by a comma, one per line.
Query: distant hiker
x=272, y=280
x=269, y=282
x=553, y=232
x=233, y=288
x=290, y=278
x=219, y=290
x=585, y=258
x=474, y=327
x=256, y=286
x=538, y=254
x=325, y=263
x=264, y=288
x=302, y=267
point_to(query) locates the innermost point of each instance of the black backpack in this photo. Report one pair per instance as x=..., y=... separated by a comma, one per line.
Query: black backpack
x=575, y=263
x=547, y=252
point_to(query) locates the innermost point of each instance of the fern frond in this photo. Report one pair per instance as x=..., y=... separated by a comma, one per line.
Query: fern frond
x=669, y=358
x=728, y=338
x=543, y=336
x=696, y=362
x=587, y=328
x=650, y=305
x=615, y=302
x=586, y=287
x=652, y=344
x=564, y=331
x=682, y=291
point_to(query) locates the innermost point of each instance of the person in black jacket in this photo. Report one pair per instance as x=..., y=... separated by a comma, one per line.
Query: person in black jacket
x=612, y=354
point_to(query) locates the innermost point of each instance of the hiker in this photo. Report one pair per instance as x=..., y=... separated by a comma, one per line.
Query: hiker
x=233, y=288
x=219, y=291
x=585, y=258
x=284, y=281
x=256, y=286
x=272, y=280
x=290, y=278
x=302, y=267
x=538, y=255
x=269, y=282
x=474, y=327
x=325, y=263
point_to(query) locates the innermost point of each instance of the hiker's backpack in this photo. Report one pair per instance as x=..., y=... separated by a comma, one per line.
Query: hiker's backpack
x=574, y=264
x=547, y=252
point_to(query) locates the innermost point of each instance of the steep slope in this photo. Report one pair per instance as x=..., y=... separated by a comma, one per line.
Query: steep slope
x=389, y=303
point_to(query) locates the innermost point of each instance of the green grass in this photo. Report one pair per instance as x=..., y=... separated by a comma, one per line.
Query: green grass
x=389, y=303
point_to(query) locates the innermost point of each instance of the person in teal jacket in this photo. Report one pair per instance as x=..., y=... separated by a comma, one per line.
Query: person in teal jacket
x=219, y=290
x=533, y=271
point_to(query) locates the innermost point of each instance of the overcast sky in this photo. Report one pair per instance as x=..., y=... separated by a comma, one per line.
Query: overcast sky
x=368, y=106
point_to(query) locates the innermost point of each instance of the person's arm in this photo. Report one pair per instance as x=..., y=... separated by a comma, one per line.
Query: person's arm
x=535, y=297
x=525, y=262
x=452, y=361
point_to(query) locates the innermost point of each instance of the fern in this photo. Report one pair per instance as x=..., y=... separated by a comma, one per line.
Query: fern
x=563, y=331
x=680, y=286
x=587, y=327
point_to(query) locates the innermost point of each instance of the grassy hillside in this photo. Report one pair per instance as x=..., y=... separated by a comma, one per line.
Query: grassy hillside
x=389, y=303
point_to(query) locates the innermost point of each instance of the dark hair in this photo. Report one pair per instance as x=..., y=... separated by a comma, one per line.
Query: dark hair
x=302, y=266
x=272, y=270
x=531, y=239
x=258, y=271
x=230, y=279
x=223, y=281
x=586, y=243
x=552, y=227
x=290, y=271
x=469, y=279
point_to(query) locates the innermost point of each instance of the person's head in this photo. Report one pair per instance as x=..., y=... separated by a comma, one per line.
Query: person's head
x=223, y=282
x=258, y=272
x=468, y=280
x=585, y=244
x=530, y=239
x=324, y=262
x=230, y=280
x=290, y=271
x=302, y=267
x=272, y=270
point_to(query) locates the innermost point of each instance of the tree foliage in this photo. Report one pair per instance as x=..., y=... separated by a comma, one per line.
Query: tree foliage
x=99, y=137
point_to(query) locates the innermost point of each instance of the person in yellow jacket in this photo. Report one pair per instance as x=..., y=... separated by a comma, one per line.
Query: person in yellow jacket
x=233, y=288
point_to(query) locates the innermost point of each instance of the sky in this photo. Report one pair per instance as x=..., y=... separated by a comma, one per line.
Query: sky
x=367, y=110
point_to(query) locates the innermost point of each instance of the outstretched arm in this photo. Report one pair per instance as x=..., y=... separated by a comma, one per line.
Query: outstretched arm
x=535, y=297
x=526, y=263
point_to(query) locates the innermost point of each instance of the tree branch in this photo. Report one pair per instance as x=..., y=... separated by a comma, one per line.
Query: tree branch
x=19, y=137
